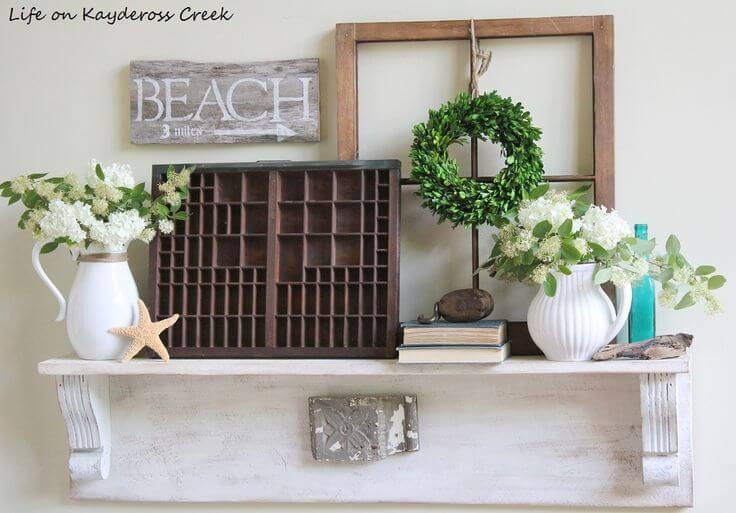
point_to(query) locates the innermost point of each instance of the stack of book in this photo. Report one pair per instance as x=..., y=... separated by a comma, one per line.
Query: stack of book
x=455, y=342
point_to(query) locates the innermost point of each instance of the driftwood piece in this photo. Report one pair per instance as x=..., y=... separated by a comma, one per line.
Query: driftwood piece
x=657, y=348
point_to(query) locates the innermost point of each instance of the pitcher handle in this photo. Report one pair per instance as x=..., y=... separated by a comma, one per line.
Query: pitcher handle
x=35, y=254
x=623, y=312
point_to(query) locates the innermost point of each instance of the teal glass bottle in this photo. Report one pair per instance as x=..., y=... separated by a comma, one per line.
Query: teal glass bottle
x=642, y=314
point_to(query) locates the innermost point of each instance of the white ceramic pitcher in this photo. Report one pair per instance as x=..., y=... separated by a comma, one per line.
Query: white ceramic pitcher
x=579, y=319
x=103, y=296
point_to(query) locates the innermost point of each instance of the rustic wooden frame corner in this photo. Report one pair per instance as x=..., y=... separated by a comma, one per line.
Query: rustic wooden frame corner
x=599, y=28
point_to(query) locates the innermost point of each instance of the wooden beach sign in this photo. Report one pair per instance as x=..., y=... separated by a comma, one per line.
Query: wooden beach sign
x=181, y=102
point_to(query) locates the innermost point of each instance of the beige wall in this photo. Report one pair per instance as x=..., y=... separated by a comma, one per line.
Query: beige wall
x=64, y=101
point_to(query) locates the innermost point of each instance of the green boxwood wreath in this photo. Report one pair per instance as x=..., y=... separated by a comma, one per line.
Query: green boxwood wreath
x=463, y=201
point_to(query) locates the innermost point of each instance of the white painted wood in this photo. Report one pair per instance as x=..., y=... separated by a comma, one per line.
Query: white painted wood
x=556, y=440
x=659, y=416
x=324, y=367
x=85, y=406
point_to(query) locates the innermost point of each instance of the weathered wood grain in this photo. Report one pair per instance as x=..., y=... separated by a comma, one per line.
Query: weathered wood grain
x=485, y=439
x=349, y=37
x=523, y=365
x=179, y=102
x=659, y=419
x=85, y=405
x=657, y=348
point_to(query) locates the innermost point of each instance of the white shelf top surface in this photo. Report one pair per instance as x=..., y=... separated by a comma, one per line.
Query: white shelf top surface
x=72, y=365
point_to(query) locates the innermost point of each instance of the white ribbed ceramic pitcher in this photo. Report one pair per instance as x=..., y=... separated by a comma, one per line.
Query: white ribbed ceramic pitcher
x=103, y=296
x=579, y=319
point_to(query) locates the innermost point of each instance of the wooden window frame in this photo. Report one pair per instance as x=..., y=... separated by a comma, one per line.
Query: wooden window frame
x=599, y=28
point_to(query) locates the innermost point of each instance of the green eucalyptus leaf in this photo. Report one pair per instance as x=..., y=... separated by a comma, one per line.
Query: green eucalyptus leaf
x=550, y=285
x=687, y=300
x=162, y=209
x=8, y=192
x=542, y=229
x=180, y=216
x=643, y=247
x=539, y=191
x=716, y=282
x=496, y=250
x=666, y=275
x=578, y=193
x=14, y=199
x=564, y=269
x=565, y=228
x=49, y=247
x=570, y=252
x=624, y=253
x=30, y=199
x=580, y=207
x=98, y=171
x=672, y=245
x=703, y=270
x=602, y=275
x=36, y=176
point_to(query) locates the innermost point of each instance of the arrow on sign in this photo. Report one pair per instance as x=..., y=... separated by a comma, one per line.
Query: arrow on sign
x=281, y=132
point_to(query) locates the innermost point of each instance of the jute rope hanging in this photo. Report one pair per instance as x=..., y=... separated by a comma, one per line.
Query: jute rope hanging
x=479, y=61
x=488, y=116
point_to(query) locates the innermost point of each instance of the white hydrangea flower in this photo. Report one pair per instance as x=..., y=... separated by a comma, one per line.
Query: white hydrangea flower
x=147, y=235
x=667, y=297
x=641, y=266
x=106, y=191
x=553, y=207
x=581, y=245
x=524, y=241
x=100, y=206
x=604, y=228
x=539, y=274
x=507, y=231
x=620, y=277
x=46, y=190
x=699, y=290
x=61, y=221
x=116, y=175
x=508, y=248
x=119, y=230
x=712, y=305
x=549, y=248
x=72, y=180
x=21, y=184
x=683, y=275
x=166, y=226
x=84, y=214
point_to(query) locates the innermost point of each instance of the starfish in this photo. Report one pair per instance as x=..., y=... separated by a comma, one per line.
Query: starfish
x=145, y=334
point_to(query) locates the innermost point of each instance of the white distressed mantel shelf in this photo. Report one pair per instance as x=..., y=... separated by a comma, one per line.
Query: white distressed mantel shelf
x=352, y=367
x=613, y=433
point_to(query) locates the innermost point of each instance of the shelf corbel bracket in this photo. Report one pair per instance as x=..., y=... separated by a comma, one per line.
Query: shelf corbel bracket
x=85, y=406
x=660, y=465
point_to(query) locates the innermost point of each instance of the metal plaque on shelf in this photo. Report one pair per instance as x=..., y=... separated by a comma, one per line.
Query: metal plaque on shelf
x=362, y=428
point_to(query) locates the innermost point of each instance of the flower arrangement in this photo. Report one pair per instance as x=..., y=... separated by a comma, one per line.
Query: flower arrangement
x=552, y=230
x=108, y=210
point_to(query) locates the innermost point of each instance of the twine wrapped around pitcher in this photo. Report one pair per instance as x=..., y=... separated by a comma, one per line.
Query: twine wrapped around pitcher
x=103, y=257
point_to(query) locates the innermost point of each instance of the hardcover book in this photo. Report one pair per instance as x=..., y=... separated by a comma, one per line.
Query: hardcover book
x=471, y=333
